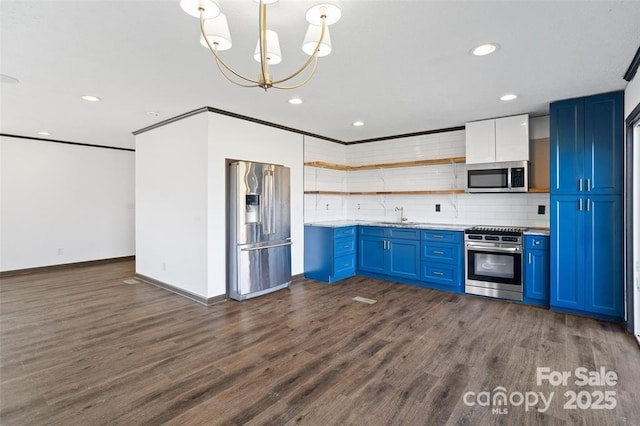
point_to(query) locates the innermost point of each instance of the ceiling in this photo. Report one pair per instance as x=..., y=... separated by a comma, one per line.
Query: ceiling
x=399, y=66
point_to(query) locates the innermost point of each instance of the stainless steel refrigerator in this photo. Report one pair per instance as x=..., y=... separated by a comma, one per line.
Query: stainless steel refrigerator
x=259, y=231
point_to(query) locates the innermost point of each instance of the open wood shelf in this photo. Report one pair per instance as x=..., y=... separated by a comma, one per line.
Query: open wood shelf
x=426, y=192
x=416, y=163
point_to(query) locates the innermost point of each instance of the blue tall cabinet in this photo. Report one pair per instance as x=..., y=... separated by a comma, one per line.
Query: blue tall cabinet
x=587, y=163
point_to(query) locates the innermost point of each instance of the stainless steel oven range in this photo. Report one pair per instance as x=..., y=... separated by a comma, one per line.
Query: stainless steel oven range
x=493, y=261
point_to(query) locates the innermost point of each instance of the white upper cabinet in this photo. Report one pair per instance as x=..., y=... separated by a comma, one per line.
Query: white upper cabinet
x=480, y=140
x=500, y=139
x=512, y=138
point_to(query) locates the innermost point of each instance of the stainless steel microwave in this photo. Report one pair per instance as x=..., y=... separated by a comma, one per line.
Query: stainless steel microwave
x=510, y=176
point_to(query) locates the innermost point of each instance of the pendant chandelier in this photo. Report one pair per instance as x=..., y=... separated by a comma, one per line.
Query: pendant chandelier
x=216, y=36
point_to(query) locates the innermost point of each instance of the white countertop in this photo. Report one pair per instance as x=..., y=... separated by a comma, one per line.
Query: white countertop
x=416, y=225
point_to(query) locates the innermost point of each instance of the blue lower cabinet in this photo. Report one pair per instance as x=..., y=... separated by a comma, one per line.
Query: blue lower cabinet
x=389, y=251
x=329, y=253
x=587, y=255
x=372, y=253
x=404, y=258
x=442, y=259
x=441, y=273
x=536, y=270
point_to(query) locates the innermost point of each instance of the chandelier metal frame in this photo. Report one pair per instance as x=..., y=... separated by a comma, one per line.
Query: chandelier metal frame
x=265, y=80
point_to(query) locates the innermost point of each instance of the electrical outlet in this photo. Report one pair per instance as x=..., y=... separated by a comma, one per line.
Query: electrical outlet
x=437, y=207
x=541, y=209
x=164, y=266
x=60, y=252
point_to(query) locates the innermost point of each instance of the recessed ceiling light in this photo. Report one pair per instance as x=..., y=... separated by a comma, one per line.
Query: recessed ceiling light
x=295, y=101
x=153, y=113
x=508, y=97
x=8, y=79
x=358, y=123
x=44, y=133
x=91, y=98
x=484, y=49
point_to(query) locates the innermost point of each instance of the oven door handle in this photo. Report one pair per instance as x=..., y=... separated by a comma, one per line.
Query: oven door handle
x=491, y=248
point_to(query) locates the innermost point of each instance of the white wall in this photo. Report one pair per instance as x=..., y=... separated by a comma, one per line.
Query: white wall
x=230, y=138
x=631, y=100
x=539, y=127
x=486, y=209
x=632, y=95
x=181, y=196
x=171, y=204
x=64, y=203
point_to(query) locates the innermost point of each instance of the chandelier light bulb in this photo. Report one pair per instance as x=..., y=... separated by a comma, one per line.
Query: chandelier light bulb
x=329, y=10
x=192, y=7
x=274, y=56
x=311, y=41
x=217, y=31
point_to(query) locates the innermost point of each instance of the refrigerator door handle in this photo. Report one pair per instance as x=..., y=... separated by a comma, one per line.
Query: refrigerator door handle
x=288, y=243
x=268, y=225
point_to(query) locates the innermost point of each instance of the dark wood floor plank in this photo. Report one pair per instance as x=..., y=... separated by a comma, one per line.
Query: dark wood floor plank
x=79, y=346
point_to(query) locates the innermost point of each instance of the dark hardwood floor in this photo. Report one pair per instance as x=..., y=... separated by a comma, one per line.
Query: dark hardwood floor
x=80, y=346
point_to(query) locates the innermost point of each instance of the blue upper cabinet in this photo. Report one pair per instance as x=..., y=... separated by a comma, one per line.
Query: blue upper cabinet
x=566, y=146
x=603, y=129
x=586, y=145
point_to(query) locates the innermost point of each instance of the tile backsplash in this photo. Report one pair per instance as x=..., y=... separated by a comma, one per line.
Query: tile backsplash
x=471, y=209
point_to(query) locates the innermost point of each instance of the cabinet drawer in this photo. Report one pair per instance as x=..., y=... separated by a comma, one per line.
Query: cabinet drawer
x=373, y=231
x=440, y=273
x=344, y=232
x=344, y=266
x=536, y=242
x=445, y=253
x=442, y=236
x=406, y=234
x=342, y=246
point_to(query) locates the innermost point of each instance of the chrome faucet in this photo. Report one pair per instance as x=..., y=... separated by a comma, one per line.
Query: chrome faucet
x=401, y=210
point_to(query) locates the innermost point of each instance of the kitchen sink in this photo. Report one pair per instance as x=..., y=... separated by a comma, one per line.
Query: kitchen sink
x=400, y=223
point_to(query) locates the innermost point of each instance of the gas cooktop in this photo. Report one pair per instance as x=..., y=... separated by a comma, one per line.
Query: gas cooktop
x=495, y=230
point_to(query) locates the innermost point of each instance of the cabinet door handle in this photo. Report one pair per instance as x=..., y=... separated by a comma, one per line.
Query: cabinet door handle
x=437, y=273
x=437, y=236
x=438, y=252
x=580, y=185
x=346, y=264
x=580, y=204
x=588, y=204
x=530, y=259
x=588, y=184
x=345, y=246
